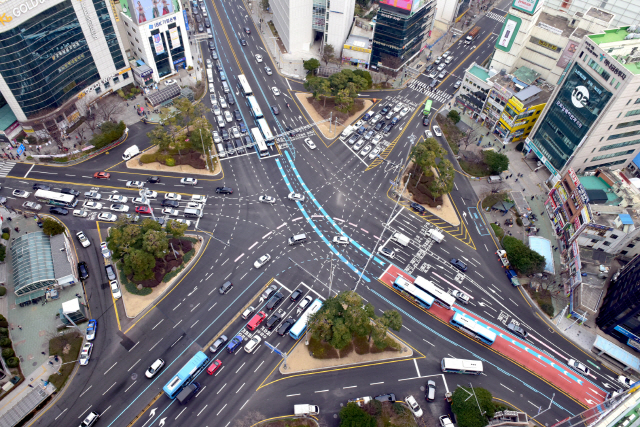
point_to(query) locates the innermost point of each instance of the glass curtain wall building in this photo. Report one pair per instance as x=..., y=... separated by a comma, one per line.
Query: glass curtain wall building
x=56, y=52
x=399, y=32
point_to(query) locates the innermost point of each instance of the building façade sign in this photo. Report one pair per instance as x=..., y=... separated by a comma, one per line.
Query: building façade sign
x=15, y=12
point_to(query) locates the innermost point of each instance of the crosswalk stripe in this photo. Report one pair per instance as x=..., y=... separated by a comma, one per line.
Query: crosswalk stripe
x=5, y=168
x=438, y=95
x=495, y=16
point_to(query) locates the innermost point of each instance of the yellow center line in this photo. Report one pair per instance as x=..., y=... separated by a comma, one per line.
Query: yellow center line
x=227, y=37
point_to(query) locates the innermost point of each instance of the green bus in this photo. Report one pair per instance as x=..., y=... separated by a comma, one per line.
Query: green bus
x=427, y=107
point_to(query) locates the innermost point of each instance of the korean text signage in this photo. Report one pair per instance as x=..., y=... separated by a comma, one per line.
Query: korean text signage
x=544, y=44
x=508, y=34
x=527, y=6
x=611, y=65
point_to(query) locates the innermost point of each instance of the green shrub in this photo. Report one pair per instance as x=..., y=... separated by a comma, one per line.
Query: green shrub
x=1, y=316
x=454, y=116
x=7, y=353
x=3, y=292
x=170, y=161
x=5, y=342
x=13, y=362
x=148, y=158
x=547, y=308
x=132, y=288
x=519, y=222
x=4, y=324
x=189, y=255
x=3, y=254
x=5, y=236
x=4, y=332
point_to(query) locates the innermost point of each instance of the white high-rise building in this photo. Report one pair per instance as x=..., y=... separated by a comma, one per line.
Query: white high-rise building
x=300, y=22
x=626, y=12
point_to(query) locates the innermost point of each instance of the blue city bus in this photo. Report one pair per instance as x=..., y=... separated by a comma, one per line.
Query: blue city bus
x=301, y=325
x=472, y=328
x=186, y=375
x=256, y=112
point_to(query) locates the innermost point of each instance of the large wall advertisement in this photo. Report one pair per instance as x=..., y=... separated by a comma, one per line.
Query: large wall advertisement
x=147, y=10
x=577, y=105
x=508, y=33
x=528, y=6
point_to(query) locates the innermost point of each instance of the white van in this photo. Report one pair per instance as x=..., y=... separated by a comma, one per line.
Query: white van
x=494, y=179
x=346, y=133
x=192, y=213
x=225, y=87
x=131, y=152
x=298, y=238
x=221, y=153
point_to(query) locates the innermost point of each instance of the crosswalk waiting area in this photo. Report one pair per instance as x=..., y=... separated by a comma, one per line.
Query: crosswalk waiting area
x=436, y=95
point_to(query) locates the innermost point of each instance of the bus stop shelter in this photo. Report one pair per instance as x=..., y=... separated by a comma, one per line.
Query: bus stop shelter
x=615, y=355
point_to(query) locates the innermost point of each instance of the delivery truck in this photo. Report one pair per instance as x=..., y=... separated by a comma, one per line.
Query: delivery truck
x=131, y=152
x=188, y=392
x=513, y=277
x=436, y=235
x=301, y=410
x=401, y=239
x=502, y=255
x=472, y=35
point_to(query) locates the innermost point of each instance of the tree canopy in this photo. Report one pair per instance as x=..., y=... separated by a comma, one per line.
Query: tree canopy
x=328, y=54
x=429, y=155
x=454, y=116
x=465, y=406
x=109, y=132
x=523, y=259
x=51, y=227
x=497, y=162
x=351, y=415
x=345, y=84
x=344, y=317
x=311, y=65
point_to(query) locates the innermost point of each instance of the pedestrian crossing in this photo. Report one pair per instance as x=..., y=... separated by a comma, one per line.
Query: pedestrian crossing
x=438, y=95
x=5, y=168
x=499, y=18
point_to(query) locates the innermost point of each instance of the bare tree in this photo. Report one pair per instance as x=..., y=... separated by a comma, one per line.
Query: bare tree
x=390, y=66
x=83, y=132
x=109, y=107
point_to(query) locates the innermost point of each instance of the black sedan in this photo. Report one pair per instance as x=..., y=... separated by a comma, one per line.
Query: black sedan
x=238, y=115
x=38, y=186
x=275, y=110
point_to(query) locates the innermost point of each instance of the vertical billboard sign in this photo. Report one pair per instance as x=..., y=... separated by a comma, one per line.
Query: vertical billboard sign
x=567, y=54
x=508, y=33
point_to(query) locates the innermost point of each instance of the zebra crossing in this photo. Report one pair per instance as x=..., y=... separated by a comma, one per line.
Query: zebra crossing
x=438, y=95
x=492, y=15
x=5, y=168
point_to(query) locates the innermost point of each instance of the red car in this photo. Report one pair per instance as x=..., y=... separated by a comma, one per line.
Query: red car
x=214, y=367
x=102, y=175
x=143, y=210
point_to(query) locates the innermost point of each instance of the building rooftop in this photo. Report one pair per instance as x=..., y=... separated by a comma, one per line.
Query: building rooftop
x=359, y=41
x=579, y=33
x=556, y=24
x=32, y=263
x=610, y=36
x=600, y=14
x=479, y=72
x=526, y=75
x=61, y=265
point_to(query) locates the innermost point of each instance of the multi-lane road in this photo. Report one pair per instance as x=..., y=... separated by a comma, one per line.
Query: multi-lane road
x=346, y=195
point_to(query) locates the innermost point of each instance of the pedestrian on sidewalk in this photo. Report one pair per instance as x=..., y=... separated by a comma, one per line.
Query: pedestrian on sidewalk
x=43, y=353
x=20, y=327
x=532, y=197
x=30, y=385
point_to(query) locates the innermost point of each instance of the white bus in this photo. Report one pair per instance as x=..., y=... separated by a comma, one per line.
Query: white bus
x=56, y=199
x=461, y=366
x=256, y=112
x=243, y=85
x=442, y=298
x=266, y=131
x=301, y=325
x=261, y=147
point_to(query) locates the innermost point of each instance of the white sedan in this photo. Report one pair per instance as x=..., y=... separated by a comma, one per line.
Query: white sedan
x=428, y=134
x=297, y=197
x=258, y=58
x=374, y=153
x=21, y=193
x=92, y=205
x=436, y=130
x=377, y=138
x=366, y=150
x=227, y=116
x=262, y=261
x=115, y=289
x=310, y=143
x=107, y=216
x=183, y=221
x=275, y=91
x=341, y=240
x=188, y=181
x=267, y=199
x=118, y=198
x=139, y=201
x=172, y=196
x=119, y=207
x=404, y=111
x=170, y=82
x=134, y=184
x=170, y=212
x=216, y=137
x=83, y=239
x=579, y=367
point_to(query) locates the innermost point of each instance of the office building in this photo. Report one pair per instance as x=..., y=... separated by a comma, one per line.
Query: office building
x=474, y=90
x=301, y=22
x=402, y=28
x=593, y=117
x=157, y=37
x=544, y=39
x=51, y=55
x=620, y=311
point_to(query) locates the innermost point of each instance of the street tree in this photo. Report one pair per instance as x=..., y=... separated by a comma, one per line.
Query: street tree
x=123, y=239
x=454, y=116
x=467, y=403
x=311, y=66
x=521, y=257
x=392, y=319
x=160, y=137
x=443, y=180
x=200, y=137
x=328, y=54
x=52, y=227
x=390, y=66
x=140, y=264
x=155, y=243
x=176, y=229
x=344, y=101
x=497, y=162
x=109, y=107
x=365, y=75
x=351, y=415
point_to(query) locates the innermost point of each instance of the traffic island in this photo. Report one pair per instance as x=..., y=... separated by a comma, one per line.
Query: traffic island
x=319, y=111
x=316, y=355
x=186, y=169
